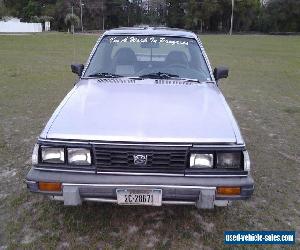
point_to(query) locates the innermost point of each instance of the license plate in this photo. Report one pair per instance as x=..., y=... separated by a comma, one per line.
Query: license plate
x=148, y=197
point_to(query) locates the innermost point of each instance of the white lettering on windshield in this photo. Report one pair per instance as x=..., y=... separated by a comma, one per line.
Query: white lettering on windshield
x=135, y=39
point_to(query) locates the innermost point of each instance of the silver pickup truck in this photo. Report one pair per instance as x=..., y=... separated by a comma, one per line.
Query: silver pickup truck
x=145, y=124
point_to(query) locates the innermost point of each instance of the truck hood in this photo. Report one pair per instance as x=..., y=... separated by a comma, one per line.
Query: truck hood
x=143, y=111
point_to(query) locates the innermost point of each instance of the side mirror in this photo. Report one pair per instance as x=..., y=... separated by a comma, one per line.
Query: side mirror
x=220, y=72
x=77, y=69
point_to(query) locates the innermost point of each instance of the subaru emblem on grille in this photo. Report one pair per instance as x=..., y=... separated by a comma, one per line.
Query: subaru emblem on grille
x=140, y=160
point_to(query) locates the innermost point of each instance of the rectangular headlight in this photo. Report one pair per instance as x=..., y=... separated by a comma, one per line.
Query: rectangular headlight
x=201, y=160
x=53, y=154
x=79, y=156
x=229, y=160
x=35, y=155
x=247, y=163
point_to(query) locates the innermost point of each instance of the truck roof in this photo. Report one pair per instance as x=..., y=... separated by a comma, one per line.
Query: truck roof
x=156, y=31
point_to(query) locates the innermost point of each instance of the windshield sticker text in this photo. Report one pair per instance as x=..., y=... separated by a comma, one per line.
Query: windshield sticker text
x=155, y=40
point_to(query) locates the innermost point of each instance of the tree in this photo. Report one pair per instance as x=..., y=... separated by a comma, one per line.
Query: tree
x=175, y=14
x=246, y=14
x=15, y=7
x=212, y=14
x=192, y=15
x=281, y=15
x=206, y=15
x=46, y=18
x=155, y=12
x=35, y=19
x=115, y=13
x=32, y=9
x=3, y=10
x=72, y=21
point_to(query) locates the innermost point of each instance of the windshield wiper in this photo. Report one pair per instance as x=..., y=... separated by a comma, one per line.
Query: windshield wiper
x=195, y=80
x=159, y=75
x=190, y=80
x=105, y=75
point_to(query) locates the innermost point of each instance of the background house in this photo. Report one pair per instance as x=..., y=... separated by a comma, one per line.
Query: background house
x=14, y=25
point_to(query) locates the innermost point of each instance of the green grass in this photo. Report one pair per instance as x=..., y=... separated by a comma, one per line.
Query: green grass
x=264, y=93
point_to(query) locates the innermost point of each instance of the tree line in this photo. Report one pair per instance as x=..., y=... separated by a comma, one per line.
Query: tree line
x=197, y=15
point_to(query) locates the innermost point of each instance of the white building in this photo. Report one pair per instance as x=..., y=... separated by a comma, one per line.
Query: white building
x=14, y=25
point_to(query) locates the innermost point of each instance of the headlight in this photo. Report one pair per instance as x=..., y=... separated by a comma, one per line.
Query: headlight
x=79, y=156
x=35, y=155
x=201, y=161
x=53, y=155
x=229, y=160
x=247, y=163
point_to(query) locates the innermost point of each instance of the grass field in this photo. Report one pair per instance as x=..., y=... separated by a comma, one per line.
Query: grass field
x=264, y=93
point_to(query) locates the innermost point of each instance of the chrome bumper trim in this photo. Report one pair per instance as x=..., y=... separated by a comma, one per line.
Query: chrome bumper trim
x=179, y=202
x=132, y=173
x=101, y=200
x=228, y=145
x=216, y=175
x=60, y=198
x=163, y=202
x=162, y=174
x=138, y=185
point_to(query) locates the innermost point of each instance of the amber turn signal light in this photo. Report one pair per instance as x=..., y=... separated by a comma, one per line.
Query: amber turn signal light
x=50, y=186
x=229, y=190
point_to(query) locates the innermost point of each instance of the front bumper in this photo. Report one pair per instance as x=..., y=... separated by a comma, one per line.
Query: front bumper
x=196, y=190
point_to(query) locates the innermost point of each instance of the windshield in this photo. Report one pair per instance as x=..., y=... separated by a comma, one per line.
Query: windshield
x=142, y=56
